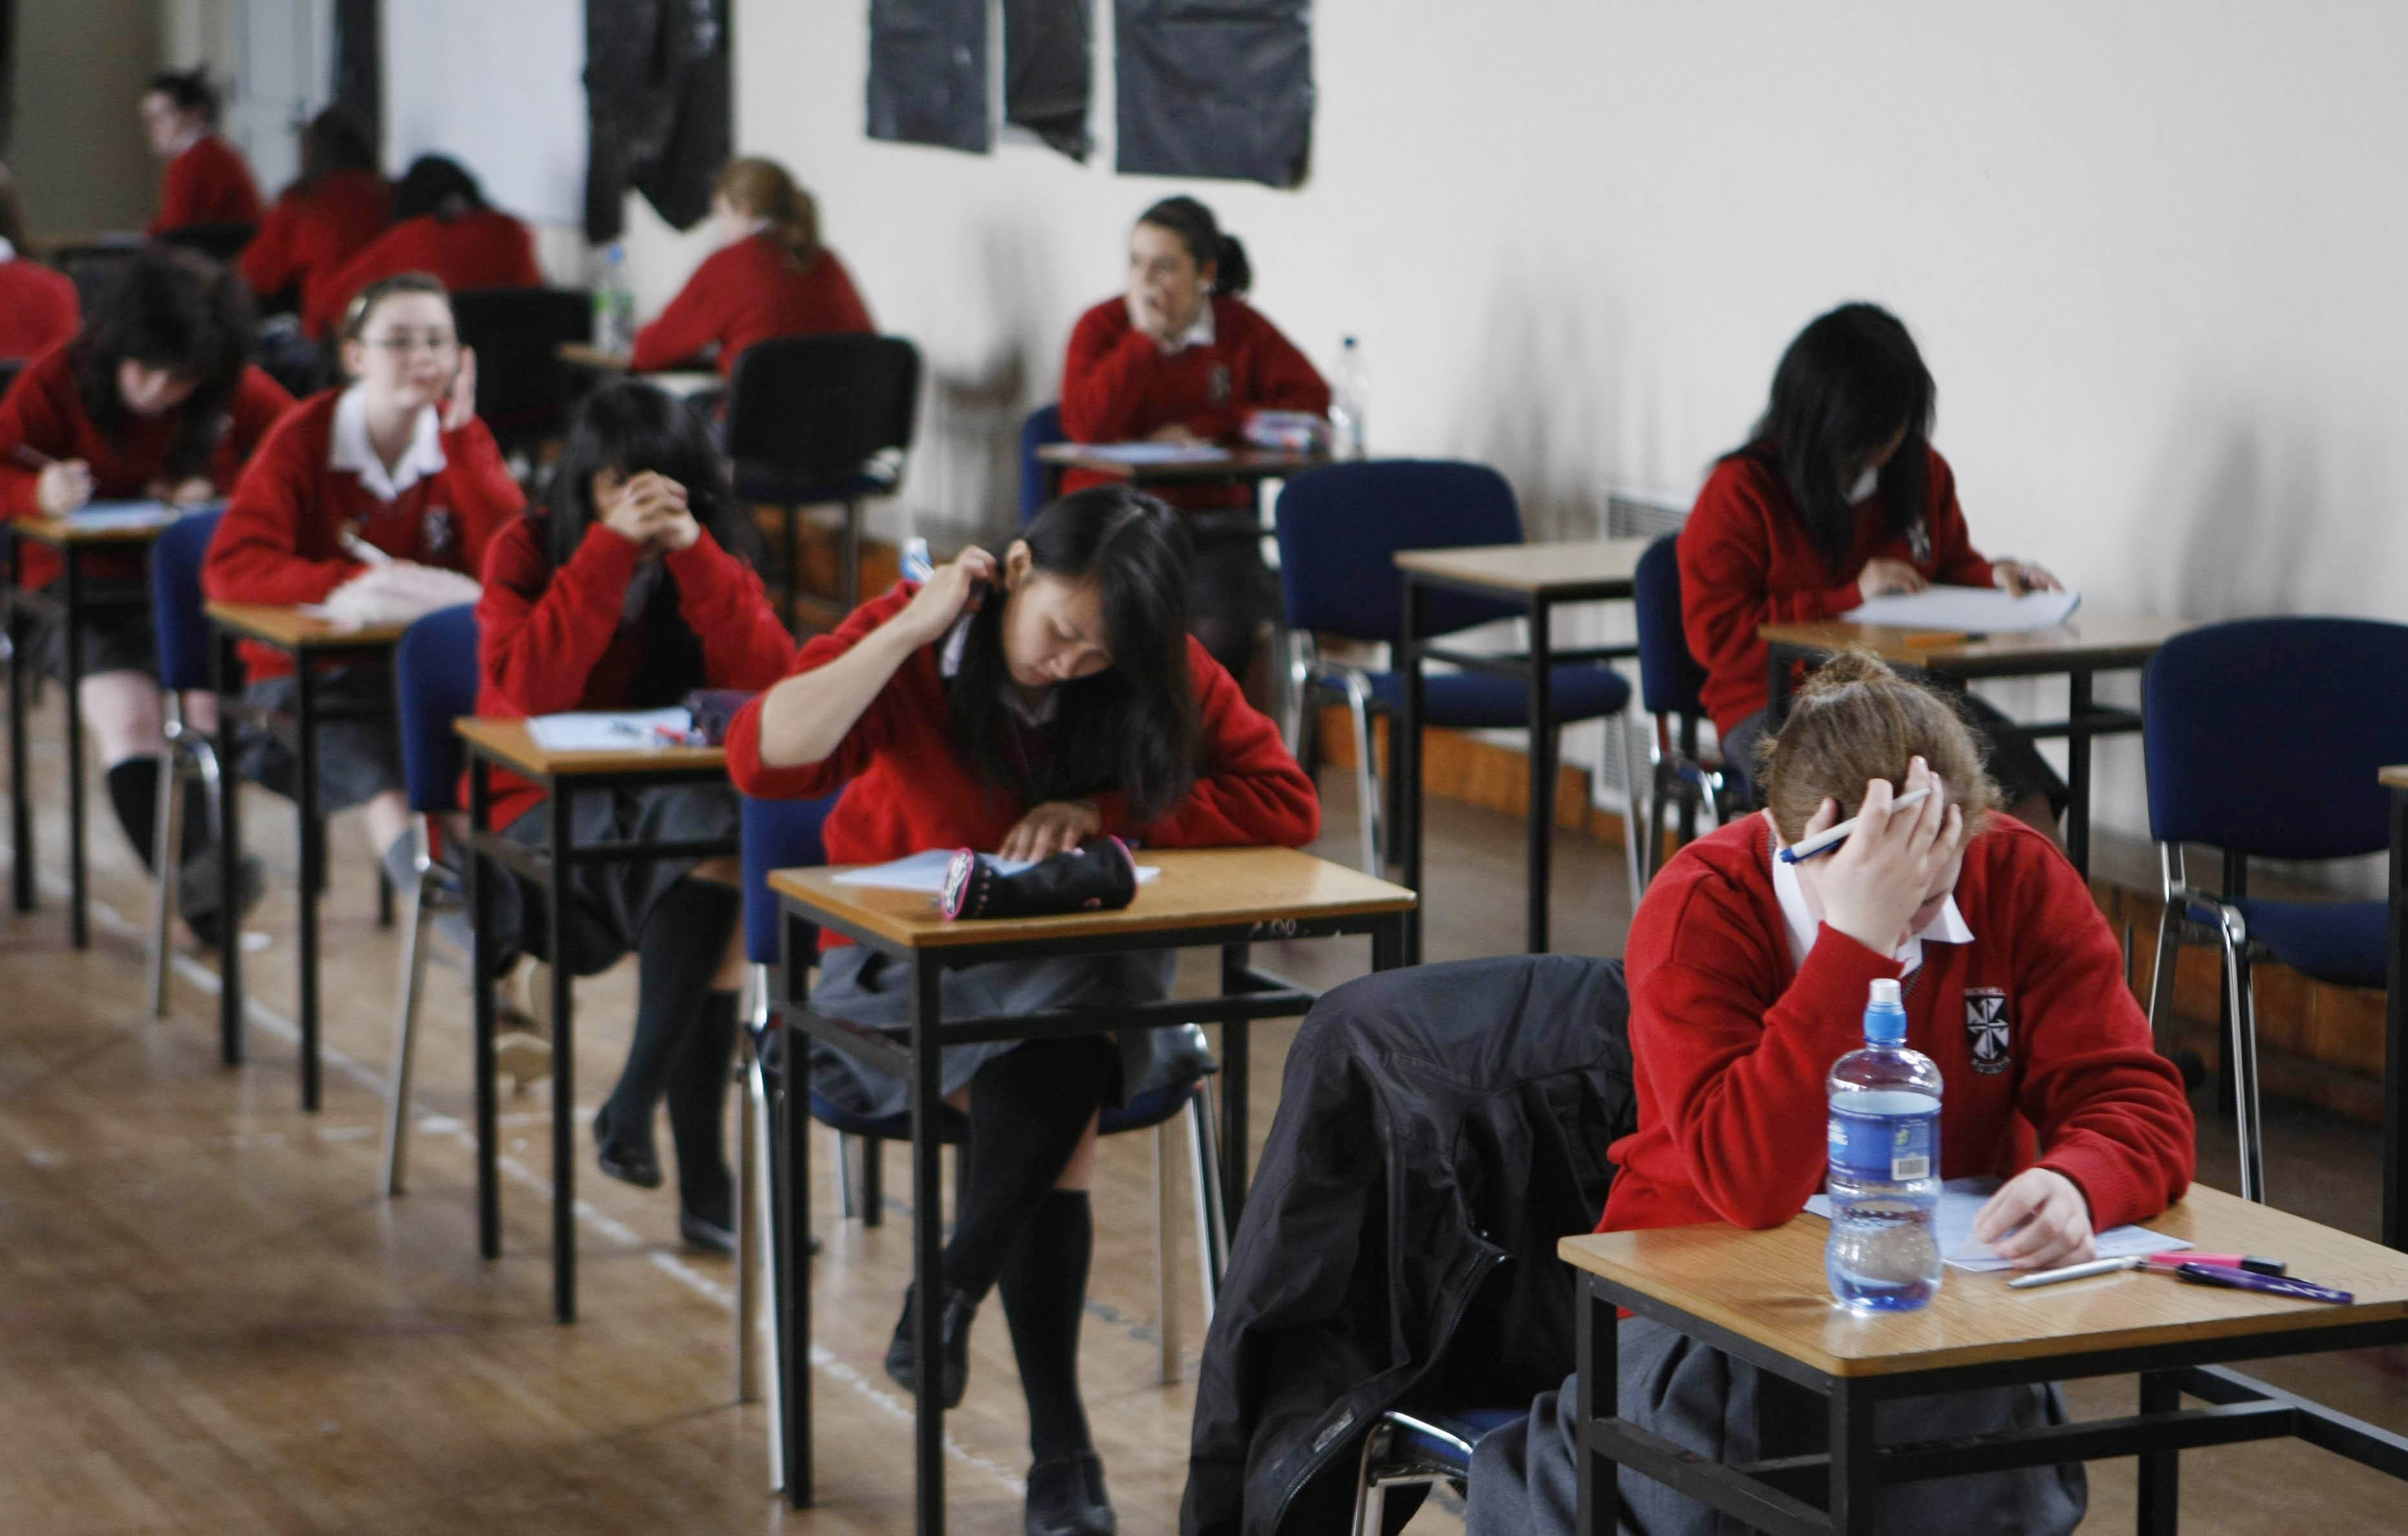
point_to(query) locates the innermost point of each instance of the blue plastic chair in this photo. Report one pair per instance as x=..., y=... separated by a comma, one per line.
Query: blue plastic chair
x=1339, y=530
x=433, y=683
x=181, y=626
x=1417, y=1449
x=2263, y=739
x=1039, y=481
x=1670, y=684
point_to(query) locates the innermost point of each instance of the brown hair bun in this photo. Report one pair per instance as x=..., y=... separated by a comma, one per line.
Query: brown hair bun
x=1858, y=720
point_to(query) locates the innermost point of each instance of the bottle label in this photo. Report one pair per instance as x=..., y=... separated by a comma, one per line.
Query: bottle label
x=1892, y=1146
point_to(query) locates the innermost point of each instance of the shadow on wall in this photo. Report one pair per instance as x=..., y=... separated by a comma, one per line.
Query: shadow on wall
x=974, y=427
x=2237, y=531
x=1543, y=404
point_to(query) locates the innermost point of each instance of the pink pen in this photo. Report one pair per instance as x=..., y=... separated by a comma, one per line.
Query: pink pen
x=2250, y=1262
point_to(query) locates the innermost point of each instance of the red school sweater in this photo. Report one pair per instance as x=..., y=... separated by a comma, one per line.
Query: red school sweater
x=1118, y=386
x=44, y=412
x=486, y=249
x=207, y=183
x=2031, y=1025
x=312, y=231
x=281, y=540
x=750, y=292
x=38, y=307
x=906, y=789
x=1746, y=561
x=550, y=640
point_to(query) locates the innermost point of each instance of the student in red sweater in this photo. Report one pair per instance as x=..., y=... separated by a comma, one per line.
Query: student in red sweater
x=365, y=484
x=770, y=276
x=1837, y=498
x=340, y=203
x=155, y=396
x=627, y=592
x=1749, y=977
x=1181, y=357
x=38, y=307
x=206, y=182
x=442, y=225
x=1023, y=706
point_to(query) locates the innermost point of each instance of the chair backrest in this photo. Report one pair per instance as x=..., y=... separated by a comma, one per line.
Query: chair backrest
x=1669, y=676
x=434, y=684
x=178, y=617
x=522, y=385
x=778, y=835
x=219, y=242
x=2263, y=736
x=1341, y=526
x=807, y=415
x=1038, y=478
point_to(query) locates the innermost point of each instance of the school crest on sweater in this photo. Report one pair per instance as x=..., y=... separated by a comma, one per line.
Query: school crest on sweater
x=1987, y=1027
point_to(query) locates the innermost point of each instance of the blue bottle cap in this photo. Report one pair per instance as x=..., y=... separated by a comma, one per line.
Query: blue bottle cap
x=1886, y=1015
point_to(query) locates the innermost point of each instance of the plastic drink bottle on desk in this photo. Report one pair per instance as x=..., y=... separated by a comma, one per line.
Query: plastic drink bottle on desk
x=1349, y=401
x=1884, y=1253
x=614, y=303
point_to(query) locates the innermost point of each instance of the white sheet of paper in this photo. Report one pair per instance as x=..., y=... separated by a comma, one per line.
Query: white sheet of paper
x=1142, y=453
x=1961, y=1200
x=1974, y=611
x=925, y=872
x=131, y=514
x=607, y=730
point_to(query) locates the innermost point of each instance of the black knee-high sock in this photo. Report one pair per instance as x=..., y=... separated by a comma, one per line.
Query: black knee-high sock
x=698, y=1102
x=676, y=957
x=133, y=794
x=1044, y=1291
x=1028, y=1108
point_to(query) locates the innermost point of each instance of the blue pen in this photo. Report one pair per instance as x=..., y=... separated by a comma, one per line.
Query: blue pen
x=1831, y=836
x=917, y=566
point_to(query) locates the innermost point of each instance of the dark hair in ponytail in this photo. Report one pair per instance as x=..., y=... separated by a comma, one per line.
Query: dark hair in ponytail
x=1196, y=227
x=190, y=91
x=1130, y=727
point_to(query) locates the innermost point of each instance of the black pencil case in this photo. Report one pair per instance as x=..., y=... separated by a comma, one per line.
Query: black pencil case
x=1097, y=876
x=714, y=710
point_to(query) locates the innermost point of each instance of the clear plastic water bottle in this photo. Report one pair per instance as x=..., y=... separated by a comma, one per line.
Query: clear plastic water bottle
x=614, y=302
x=1350, y=398
x=1883, y=1255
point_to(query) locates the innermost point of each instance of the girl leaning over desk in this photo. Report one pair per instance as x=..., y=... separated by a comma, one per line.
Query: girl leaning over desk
x=628, y=588
x=1748, y=978
x=1839, y=496
x=1024, y=704
x=154, y=397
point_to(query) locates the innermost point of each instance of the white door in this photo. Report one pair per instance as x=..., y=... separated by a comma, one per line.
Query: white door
x=278, y=65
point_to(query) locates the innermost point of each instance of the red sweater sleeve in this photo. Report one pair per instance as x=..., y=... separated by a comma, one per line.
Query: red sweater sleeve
x=1284, y=378
x=537, y=639
x=1953, y=555
x=691, y=321
x=254, y=557
x=484, y=496
x=33, y=414
x=259, y=403
x=2109, y=1110
x=270, y=264
x=1251, y=794
x=178, y=193
x=847, y=314
x=872, y=732
x=1104, y=378
x=722, y=600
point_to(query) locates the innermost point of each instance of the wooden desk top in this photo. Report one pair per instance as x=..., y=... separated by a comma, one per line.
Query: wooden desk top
x=58, y=531
x=1241, y=464
x=2088, y=640
x=1768, y=1287
x=515, y=745
x=1534, y=569
x=1197, y=887
x=586, y=355
x=291, y=629
x=2395, y=777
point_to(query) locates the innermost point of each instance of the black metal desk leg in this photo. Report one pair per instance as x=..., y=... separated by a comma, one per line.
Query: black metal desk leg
x=78, y=932
x=312, y=836
x=793, y=1192
x=1237, y=1069
x=1405, y=761
x=1388, y=943
x=1543, y=768
x=928, y=1241
x=21, y=789
x=1853, y=1491
x=563, y=1064
x=481, y=894
x=1599, y=1359
x=2395, y=1061
x=228, y=666
x=2160, y=1490
x=2077, y=772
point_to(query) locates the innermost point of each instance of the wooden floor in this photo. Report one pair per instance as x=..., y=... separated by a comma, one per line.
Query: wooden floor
x=211, y=1320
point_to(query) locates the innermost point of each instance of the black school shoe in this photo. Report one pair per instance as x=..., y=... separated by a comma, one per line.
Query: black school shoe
x=625, y=1161
x=953, y=1329
x=1066, y=1498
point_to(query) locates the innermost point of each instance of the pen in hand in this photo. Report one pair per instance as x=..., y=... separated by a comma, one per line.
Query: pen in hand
x=1831, y=836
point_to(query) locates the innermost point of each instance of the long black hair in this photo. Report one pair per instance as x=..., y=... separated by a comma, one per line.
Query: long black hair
x=1206, y=241
x=630, y=427
x=1130, y=727
x=1851, y=381
x=178, y=311
x=439, y=185
x=335, y=140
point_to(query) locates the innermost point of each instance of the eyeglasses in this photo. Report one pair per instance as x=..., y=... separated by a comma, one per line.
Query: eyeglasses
x=401, y=343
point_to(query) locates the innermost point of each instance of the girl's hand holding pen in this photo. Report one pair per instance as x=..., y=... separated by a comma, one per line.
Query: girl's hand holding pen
x=1877, y=880
x=945, y=597
x=64, y=485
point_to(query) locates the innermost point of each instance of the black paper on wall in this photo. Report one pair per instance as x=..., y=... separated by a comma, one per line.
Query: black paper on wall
x=927, y=73
x=1047, y=71
x=657, y=109
x=1214, y=88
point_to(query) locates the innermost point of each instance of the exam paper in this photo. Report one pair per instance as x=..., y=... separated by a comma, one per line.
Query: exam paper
x=1974, y=610
x=1144, y=453
x=1961, y=1200
x=925, y=872
x=607, y=730
x=132, y=514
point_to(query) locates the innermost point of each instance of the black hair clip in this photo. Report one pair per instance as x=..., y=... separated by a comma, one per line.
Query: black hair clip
x=1098, y=876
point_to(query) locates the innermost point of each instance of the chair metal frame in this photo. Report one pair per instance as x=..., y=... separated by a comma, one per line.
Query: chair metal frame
x=2175, y=926
x=1383, y=1467
x=189, y=752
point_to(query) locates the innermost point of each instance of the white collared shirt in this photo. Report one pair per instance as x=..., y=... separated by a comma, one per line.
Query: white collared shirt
x=1948, y=926
x=350, y=449
x=7, y=252
x=1201, y=333
x=949, y=663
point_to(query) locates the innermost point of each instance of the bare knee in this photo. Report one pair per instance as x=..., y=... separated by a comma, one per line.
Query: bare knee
x=723, y=870
x=122, y=710
x=1080, y=1172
